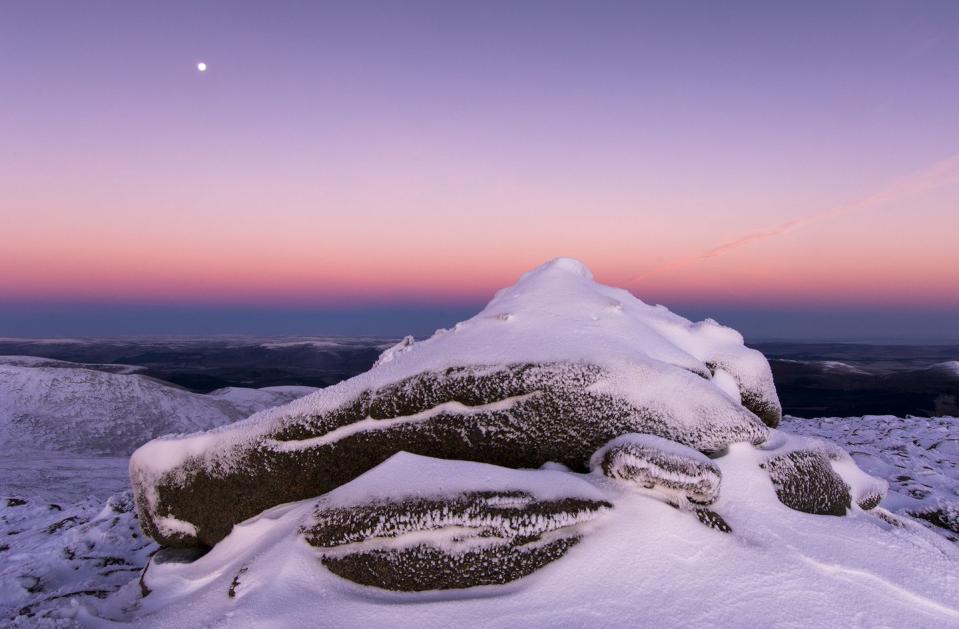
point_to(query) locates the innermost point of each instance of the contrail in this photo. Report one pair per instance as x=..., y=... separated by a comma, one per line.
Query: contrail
x=939, y=174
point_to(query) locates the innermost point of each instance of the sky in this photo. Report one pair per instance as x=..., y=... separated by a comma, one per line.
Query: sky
x=383, y=168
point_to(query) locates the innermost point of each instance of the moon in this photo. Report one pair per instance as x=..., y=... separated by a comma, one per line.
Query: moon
x=201, y=66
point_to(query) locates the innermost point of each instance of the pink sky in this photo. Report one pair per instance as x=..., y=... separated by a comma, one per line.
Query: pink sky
x=335, y=159
x=195, y=243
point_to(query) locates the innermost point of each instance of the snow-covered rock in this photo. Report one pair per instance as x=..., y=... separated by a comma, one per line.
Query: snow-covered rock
x=805, y=481
x=441, y=529
x=640, y=563
x=550, y=370
x=817, y=476
x=678, y=473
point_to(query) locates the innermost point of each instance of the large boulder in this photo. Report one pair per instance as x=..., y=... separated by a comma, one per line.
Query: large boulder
x=553, y=368
x=417, y=523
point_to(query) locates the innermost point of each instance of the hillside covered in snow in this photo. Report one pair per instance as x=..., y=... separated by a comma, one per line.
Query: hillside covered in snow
x=570, y=456
x=109, y=409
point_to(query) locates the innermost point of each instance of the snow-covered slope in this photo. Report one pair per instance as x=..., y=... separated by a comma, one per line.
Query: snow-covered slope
x=568, y=457
x=558, y=313
x=37, y=361
x=248, y=401
x=56, y=405
x=643, y=564
x=951, y=366
x=640, y=563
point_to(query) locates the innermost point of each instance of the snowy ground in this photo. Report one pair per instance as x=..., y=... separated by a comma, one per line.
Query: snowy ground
x=68, y=532
x=69, y=542
x=918, y=456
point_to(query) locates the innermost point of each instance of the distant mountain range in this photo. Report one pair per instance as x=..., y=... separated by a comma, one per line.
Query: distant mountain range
x=813, y=379
x=841, y=380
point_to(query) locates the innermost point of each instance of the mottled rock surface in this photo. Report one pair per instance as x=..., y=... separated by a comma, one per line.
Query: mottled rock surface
x=520, y=416
x=805, y=481
x=680, y=474
x=475, y=538
x=553, y=368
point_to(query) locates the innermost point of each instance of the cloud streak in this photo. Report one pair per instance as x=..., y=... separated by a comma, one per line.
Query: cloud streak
x=939, y=174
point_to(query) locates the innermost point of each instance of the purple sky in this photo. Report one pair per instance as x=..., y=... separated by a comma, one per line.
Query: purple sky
x=749, y=160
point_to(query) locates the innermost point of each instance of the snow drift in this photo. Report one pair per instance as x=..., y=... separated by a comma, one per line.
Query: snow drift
x=641, y=562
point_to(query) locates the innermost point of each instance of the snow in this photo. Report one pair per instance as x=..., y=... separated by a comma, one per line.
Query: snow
x=457, y=507
x=249, y=401
x=727, y=384
x=56, y=554
x=409, y=475
x=36, y=361
x=661, y=467
x=326, y=343
x=951, y=366
x=641, y=563
x=58, y=405
x=85, y=411
x=176, y=526
x=67, y=524
x=835, y=365
x=390, y=353
x=71, y=550
x=918, y=457
x=555, y=313
x=650, y=442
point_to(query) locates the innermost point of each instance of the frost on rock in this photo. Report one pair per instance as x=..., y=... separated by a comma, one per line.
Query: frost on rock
x=447, y=542
x=679, y=474
x=805, y=481
x=549, y=371
x=818, y=476
x=517, y=416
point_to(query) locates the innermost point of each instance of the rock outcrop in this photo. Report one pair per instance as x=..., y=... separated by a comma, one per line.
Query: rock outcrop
x=556, y=371
x=676, y=474
x=553, y=368
x=515, y=416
